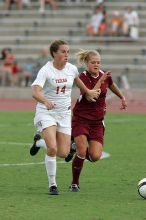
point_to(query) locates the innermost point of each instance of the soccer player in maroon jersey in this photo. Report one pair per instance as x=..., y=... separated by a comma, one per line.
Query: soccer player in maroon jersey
x=88, y=117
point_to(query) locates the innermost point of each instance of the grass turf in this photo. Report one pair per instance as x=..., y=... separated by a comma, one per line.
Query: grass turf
x=108, y=187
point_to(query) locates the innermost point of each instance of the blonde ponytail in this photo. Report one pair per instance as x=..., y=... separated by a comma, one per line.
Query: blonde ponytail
x=83, y=56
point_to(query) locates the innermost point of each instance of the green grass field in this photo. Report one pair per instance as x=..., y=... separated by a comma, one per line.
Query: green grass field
x=108, y=187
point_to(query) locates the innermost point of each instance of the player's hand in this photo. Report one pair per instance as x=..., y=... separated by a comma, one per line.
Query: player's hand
x=123, y=104
x=93, y=96
x=50, y=104
x=98, y=92
x=104, y=76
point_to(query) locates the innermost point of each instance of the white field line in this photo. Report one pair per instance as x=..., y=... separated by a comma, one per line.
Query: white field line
x=14, y=143
x=104, y=155
x=25, y=164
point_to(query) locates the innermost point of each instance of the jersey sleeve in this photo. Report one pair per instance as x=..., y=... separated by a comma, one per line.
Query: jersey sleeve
x=41, y=78
x=84, y=78
x=76, y=71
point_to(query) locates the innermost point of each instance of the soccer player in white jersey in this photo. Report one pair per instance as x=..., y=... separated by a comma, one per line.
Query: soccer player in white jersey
x=52, y=91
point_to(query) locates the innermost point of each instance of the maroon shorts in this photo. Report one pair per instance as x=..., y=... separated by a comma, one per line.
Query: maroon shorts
x=92, y=130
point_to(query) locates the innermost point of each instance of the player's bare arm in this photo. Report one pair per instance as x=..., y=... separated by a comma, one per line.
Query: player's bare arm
x=114, y=88
x=92, y=94
x=102, y=79
x=37, y=95
x=98, y=84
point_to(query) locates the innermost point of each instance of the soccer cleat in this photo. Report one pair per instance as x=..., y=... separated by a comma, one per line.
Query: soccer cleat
x=34, y=149
x=74, y=188
x=53, y=190
x=72, y=152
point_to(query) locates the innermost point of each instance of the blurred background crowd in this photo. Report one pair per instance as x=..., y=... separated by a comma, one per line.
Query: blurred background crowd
x=99, y=23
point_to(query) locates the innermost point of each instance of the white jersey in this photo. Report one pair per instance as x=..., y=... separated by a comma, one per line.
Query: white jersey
x=56, y=85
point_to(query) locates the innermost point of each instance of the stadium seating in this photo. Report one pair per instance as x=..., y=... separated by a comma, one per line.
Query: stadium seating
x=27, y=31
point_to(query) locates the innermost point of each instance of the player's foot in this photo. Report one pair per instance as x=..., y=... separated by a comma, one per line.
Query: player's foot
x=34, y=149
x=72, y=152
x=74, y=188
x=53, y=190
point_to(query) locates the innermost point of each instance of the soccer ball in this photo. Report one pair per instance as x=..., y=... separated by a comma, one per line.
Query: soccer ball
x=142, y=188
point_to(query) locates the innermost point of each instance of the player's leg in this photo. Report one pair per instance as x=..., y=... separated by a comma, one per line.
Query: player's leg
x=45, y=123
x=78, y=161
x=96, y=139
x=49, y=135
x=94, y=151
x=57, y=139
x=63, y=144
x=90, y=155
x=63, y=135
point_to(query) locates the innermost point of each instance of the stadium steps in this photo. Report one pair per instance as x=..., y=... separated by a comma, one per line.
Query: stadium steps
x=26, y=36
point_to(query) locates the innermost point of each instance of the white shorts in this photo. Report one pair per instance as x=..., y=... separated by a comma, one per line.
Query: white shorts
x=44, y=119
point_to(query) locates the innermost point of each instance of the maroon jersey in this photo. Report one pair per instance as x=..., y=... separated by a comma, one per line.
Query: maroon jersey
x=93, y=111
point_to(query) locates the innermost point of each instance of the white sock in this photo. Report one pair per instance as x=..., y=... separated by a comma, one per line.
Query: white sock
x=41, y=143
x=50, y=163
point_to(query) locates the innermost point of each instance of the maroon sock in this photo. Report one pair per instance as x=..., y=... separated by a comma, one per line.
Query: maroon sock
x=77, y=166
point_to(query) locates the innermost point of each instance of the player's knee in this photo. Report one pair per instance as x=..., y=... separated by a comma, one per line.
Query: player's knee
x=82, y=153
x=94, y=157
x=62, y=155
x=52, y=150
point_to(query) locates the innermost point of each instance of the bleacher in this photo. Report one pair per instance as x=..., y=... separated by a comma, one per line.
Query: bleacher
x=27, y=31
